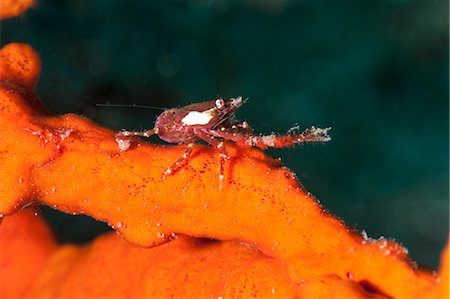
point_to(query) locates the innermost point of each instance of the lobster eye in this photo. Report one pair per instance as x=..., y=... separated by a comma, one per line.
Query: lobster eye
x=220, y=103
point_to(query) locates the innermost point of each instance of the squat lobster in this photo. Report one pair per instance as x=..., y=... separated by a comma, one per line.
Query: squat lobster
x=214, y=123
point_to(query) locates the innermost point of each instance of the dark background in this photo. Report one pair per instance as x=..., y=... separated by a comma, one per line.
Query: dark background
x=375, y=71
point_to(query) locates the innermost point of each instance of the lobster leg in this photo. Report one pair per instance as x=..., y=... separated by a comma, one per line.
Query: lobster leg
x=312, y=134
x=203, y=134
x=177, y=163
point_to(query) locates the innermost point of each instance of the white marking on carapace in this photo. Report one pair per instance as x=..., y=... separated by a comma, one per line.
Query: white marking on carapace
x=199, y=118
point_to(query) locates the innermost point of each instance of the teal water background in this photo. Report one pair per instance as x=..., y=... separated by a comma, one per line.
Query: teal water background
x=375, y=71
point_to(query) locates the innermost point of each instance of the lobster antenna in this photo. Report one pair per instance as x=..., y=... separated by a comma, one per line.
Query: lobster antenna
x=130, y=106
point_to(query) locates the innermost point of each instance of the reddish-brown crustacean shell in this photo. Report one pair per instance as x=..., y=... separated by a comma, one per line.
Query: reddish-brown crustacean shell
x=171, y=127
